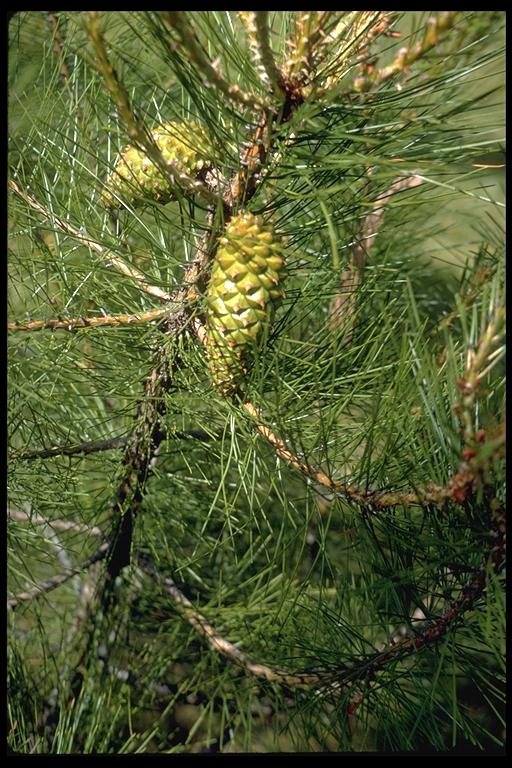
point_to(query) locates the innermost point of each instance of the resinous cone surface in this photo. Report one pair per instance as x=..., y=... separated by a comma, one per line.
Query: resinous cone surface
x=244, y=288
x=135, y=176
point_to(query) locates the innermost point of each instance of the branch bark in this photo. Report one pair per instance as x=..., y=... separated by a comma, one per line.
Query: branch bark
x=343, y=305
x=55, y=581
x=68, y=229
x=73, y=323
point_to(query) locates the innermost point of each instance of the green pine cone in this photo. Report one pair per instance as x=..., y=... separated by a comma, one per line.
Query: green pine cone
x=135, y=177
x=244, y=288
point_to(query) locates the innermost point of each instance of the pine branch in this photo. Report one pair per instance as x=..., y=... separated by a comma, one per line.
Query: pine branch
x=59, y=525
x=59, y=48
x=309, y=40
x=219, y=643
x=480, y=360
x=191, y=46
x=73, y=323
x=55, y=581
x=257, y=30
x=343, y=305
x=141, y=451
x=112, y=260
x=463, y=483
x=149, y=433
x=433, y=34
x=365, y=668
x=437, y=629
x=96, y=446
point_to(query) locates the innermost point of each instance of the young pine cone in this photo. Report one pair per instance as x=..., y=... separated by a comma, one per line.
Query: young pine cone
x=244, y=288
x=135, y=177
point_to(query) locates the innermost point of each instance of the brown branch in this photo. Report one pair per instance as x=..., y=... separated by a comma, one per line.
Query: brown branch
x=310, y=31
x=68, y=229
x=458, y=488
x=364, y=668
x=55, y=581
x=220, y=644
x=436, y=629
x=343, y=305
x=142, y=449
x=72, y=323
x=58, y=525
x=479, y=361
x=347, y=41
x=149, y=432
x=95, y=446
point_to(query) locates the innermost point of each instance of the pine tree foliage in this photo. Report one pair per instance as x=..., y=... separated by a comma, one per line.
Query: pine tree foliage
x=313, y=558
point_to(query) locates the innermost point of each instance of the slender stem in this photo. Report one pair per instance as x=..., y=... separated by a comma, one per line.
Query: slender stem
x=261, y=28
x=96, y=446
x=477, y=358
x=349, y=42
x=433, y=33
x=459, y=486
x=343, y=305
x=364, y=668
x=435, y=630
x=55, y=581
x=150, y=432
x=107, y=255
x=58, y=46
x=72, y=323
x=58, y=525
x=220, y=644
x=177, y=21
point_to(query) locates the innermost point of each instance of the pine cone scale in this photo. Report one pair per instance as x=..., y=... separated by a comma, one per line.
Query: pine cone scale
x=184, y=146
x=242, y=294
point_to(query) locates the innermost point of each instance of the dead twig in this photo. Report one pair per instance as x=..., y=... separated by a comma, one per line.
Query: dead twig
x=55, y=581
x=96, y=446
x=343, y=305
x=68, y=229
x=58, y=525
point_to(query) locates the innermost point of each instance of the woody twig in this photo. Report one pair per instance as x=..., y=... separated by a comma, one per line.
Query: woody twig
x=55, y=581
x=257, y=30
x=74, y=323
x=191, y=46
x=343, y=305
x=106, y=255
x=219, y=643
x=58, y=47
x=59, y=525
x=473, y=461
x=96, y=446
x=434, y=31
